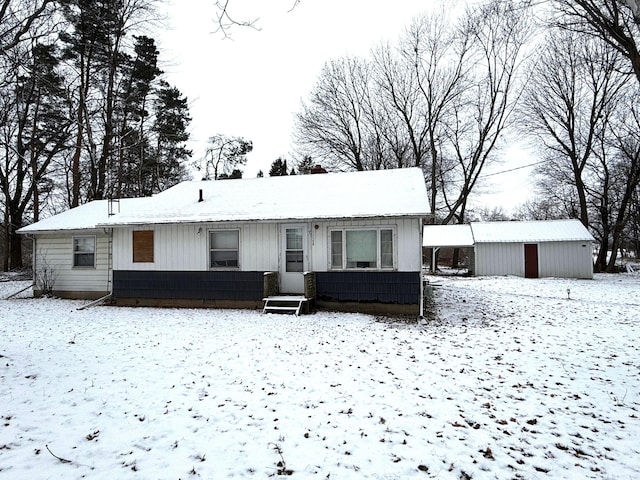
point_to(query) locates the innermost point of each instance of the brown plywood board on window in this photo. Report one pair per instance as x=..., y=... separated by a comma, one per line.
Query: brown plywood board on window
x=143, y=246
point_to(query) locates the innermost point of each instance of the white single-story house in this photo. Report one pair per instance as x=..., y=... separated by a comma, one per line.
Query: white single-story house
x=553, y=248
x=352, y=241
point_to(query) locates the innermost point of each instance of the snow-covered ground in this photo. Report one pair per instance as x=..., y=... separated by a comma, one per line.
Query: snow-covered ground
x=514, y=378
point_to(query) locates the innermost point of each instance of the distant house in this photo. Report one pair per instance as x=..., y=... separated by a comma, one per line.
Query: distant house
x=352, y=241
x=555, y=248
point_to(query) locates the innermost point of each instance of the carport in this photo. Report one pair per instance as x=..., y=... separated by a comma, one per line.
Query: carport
x=436, y=237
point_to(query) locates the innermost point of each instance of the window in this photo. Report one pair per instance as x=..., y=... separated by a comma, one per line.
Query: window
x=365, y=248
x=294, y=250
x=223, y=248
x=143, y=246
x=84, y=251
x=362, y=248
x=336, y=249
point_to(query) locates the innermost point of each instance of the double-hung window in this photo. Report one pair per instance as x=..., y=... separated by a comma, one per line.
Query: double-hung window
x=84, y=251
x=362, y=249
x=224, y=248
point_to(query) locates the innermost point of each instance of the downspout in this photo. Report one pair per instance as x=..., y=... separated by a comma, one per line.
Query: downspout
x=109, y=232
x=421, y=225
x=33, y=267
x=34, y=256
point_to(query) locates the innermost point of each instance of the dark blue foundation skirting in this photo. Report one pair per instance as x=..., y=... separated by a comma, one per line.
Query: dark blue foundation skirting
x=401, y=288
x=210, y=285
x=369, y=287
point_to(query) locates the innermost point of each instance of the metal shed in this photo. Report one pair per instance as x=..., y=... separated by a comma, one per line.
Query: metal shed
x=554, y=248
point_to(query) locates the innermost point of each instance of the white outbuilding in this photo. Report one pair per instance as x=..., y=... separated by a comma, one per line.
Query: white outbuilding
x=554, y=248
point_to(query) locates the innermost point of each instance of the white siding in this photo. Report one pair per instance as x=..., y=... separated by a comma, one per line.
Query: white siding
x=185, y=247
x=407, y=242
x=181, y=247
x=555, y=259
x=499, y=259
x=565, y=259
x=55, y=252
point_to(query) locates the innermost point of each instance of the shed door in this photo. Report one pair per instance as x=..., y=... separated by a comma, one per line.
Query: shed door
x=531, y=260
x=292, y=259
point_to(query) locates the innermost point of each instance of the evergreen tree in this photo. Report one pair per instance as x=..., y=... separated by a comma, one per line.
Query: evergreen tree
x=133, y=149
x=305, y=165
x=33, y=133
x=278, y=168
x=166, y=166
x=237, y=173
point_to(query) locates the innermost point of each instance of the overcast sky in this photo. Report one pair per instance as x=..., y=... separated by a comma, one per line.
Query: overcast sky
x=252, y=84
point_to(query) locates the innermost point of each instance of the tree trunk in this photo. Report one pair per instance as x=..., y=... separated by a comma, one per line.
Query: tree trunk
x=15, y=239
x=75, y=162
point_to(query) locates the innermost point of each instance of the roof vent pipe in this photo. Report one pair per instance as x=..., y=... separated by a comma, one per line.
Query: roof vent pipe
x=200, y=199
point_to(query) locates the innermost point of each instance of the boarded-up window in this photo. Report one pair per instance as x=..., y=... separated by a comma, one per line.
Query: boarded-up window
x=143, y=246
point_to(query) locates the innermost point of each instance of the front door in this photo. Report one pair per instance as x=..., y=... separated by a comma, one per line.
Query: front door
x=530, y=260
x=292, y=259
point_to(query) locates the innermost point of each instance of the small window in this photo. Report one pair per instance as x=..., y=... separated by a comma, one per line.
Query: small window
x=84, y=251
x=223, y=248
x=386, y=248
x=367, y=249
x=143, y=246
x=336, y=249
x=294, y=251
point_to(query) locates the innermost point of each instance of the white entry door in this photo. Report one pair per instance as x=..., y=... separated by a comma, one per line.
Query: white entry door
x=293, y=259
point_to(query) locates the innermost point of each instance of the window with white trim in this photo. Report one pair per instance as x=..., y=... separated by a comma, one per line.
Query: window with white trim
x=84, y=251
x=366, y=248
x=224, y=248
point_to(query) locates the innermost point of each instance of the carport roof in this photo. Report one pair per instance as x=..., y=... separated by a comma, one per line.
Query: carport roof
x=435, y=236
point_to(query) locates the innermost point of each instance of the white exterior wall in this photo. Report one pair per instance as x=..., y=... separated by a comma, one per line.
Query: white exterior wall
x=407, y=241
x=180, y=248
x=55, y=253
x=555, y=259
x=565, y=259
x=499, y=259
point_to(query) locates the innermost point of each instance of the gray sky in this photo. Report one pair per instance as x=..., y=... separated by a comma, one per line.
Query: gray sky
x=252, y=84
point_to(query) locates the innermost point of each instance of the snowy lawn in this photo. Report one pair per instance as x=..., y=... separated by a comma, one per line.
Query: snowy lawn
x=515, y=378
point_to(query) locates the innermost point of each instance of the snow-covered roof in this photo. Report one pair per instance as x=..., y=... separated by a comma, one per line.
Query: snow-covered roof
x=488, y=232
x=532, y=231
x=83, y=217
x=447, y=235
x=381, y=193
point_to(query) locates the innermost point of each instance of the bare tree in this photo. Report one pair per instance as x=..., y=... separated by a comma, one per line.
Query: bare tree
x=224, y=154
x=333, y=125
x=437, y=56
x=616, y=22
x=18, y=19
x=616, y=173
x=498, y=32
x=225, y=20
x=574, y=85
